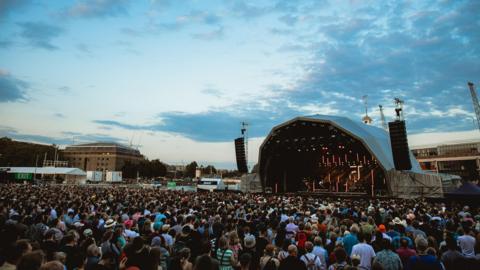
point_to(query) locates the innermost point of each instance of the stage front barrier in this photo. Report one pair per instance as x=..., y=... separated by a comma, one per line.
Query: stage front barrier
x=408, y=185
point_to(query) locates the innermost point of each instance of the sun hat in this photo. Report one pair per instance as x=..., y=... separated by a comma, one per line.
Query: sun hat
x=88, y=232
x=397, y=221
x=249, y=241
x=110, y=223
x=78, y=224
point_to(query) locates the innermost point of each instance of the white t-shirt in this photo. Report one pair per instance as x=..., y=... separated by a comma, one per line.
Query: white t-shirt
x=467, y=244
x=366, y=253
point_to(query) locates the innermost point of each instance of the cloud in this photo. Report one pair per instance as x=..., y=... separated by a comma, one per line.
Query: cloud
x=83, y=48
x=223, y=125
x=211, y=35
x=66, y=138
x=79, y=137
x=194, y=17
x=5, y=44
x=11, y=88
x=65, y=89
x=7, y=6
x=12, y=133
x=249, y=11
x=213, y=92
x=391, y=50
x=40, y=34
x=96, y=9
x=119, y=124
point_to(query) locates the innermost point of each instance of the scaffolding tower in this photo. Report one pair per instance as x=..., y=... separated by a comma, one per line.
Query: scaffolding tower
x=476, y=105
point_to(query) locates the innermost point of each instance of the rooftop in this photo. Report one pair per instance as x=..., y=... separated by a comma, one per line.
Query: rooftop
x=102, y=145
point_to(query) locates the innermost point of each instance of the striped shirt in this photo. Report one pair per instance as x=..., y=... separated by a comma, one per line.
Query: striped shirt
x=224, y=257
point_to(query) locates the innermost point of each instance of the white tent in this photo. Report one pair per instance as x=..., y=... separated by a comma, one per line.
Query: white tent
x=70, y=175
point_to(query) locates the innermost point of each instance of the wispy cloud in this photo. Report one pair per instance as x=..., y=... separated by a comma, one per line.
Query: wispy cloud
x=211, y=91
x=222, y=125
x=11, y=88
x=211, y=35
x=83, y=48
x=194, y=17
x=66, y=137
x=5, y=44
x=7, y=6
x=40, y=34
x=96, y=9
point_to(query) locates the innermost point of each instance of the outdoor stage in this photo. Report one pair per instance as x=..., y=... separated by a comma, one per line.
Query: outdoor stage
x=339, y=156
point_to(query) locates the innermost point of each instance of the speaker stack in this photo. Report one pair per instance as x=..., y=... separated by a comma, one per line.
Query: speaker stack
x=240, y=153
x=399, y=142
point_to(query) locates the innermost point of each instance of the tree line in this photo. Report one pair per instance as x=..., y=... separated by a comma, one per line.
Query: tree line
x=24, y=154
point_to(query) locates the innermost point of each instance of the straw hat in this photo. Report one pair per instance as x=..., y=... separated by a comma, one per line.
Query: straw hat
x=110, y=223
x=249, y=241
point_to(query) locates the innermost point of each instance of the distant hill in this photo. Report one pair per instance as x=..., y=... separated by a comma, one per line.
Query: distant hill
x=15, y=153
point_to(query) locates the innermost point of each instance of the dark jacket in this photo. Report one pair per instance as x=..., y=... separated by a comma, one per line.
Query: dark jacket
x=292, y=263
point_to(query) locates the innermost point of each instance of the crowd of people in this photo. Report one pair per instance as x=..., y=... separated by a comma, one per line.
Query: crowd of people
x=79, y=227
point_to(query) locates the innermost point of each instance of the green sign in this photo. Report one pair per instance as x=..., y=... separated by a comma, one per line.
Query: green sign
x=171, y=184
x=23, y=176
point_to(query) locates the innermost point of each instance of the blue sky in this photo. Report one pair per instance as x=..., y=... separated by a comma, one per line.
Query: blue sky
x=178, y=77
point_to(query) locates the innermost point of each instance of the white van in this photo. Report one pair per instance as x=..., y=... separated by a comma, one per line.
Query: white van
x=211, y=184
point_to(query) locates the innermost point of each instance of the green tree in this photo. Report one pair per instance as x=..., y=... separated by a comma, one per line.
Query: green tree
x=15, y=153
x=129, y=170
x=190, y=169
x=209, y=170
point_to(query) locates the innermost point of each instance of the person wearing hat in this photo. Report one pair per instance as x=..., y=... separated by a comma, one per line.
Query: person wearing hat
x=423, y=261
x=249, y=247
x=109, y=224
x=383, y=229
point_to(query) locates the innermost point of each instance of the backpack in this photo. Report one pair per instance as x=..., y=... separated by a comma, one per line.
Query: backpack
x=270, y=265
x=337, y=266
x=310, y=263
x=301, y=239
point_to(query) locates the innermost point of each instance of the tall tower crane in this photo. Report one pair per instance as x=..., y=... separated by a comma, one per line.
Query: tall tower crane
x=476, y=105
x=382, y=118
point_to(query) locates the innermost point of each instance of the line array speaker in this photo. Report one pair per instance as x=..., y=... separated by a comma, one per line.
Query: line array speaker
x=240, y=153
x=399, y=142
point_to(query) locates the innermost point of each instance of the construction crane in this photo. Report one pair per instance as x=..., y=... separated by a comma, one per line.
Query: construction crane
x=382, y=118
x=476, y=105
